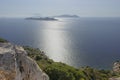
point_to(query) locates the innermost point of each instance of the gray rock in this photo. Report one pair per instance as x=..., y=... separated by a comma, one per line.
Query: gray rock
x=116, y=67
x=16, y=65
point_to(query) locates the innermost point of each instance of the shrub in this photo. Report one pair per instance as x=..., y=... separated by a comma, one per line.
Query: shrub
x=3, y=40
x=62, y=71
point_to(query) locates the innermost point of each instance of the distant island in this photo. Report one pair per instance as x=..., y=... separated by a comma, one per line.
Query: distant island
x=42, y=18
x=67, y=16
x=53, y=18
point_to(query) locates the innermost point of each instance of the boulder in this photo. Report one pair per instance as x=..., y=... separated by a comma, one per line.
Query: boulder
x=16, y=65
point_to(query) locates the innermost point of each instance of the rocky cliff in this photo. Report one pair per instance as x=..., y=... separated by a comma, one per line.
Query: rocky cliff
x=116, y=67
x=16, y=65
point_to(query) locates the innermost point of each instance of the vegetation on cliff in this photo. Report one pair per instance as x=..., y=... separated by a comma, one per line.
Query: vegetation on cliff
x=3, y=40
x=61, y=71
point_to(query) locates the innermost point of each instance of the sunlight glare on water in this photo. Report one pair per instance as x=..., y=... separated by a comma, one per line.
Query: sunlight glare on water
x=54, y=37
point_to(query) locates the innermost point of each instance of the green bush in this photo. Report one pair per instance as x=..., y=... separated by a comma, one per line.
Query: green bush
x=38, y=58
x=3, y=40
x=62, y=71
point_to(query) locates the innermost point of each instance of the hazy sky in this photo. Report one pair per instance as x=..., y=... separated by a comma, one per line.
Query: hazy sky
x=83, y=8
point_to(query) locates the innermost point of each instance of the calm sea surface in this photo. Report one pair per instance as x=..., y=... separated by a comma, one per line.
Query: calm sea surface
x=78, y=42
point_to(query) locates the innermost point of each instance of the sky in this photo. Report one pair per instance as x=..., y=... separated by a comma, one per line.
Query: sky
x=83, y=8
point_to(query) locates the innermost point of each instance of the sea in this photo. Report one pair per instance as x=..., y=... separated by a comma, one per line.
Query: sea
x=79, y=42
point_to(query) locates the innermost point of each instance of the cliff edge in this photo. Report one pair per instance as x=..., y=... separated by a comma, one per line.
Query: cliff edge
x=16, y=65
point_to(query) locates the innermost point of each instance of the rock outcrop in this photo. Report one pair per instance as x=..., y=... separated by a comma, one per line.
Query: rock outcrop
x=116, y=67
x=115, y=78
x=116, y=70
x=16, y=65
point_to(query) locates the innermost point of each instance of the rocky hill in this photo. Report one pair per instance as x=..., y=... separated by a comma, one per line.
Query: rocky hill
x=116, y=67
x=22, y=63
x=16, y=65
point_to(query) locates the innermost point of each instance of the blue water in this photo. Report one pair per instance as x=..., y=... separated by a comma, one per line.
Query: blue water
x=80, y=42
